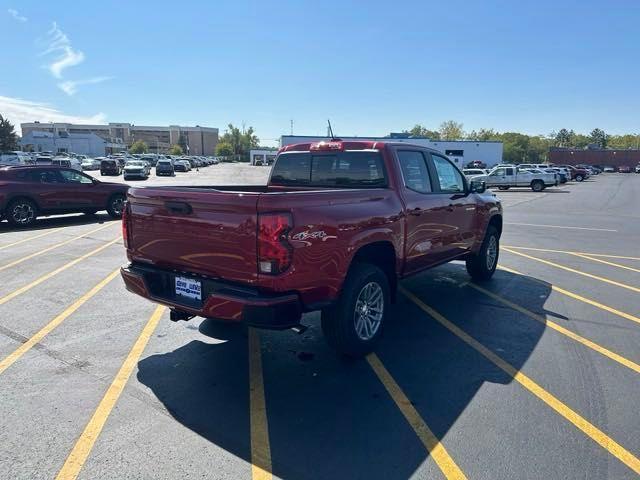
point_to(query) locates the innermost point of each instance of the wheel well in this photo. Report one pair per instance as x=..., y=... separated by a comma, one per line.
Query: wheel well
x=21, y=197
x=382, y=255
x=496, y=222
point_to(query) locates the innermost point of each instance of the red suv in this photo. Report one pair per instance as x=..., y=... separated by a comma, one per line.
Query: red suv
x=27, y=192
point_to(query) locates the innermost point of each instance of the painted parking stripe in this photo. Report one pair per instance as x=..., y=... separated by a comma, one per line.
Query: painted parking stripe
x=603, y=255
x=260, y=447
x=561, y=226
x=581, y=423
x=52, y=247
x=29, y=344
x=560, y=329
x=29, y=239
x=575, y=296
x=433, y=445
x=573, y=270
x=606, y=262
x=53, y=273
x=82, y=448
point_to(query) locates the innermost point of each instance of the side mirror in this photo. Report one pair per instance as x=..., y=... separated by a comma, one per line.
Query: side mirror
x=478, y=186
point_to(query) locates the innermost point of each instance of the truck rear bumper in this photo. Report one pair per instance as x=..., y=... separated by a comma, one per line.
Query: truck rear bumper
x=219, y=299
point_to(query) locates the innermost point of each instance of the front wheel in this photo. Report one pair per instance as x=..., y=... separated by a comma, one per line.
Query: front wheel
x=579, y=178
x=353, y=326
x=482, y=265
x=115, y=206
x=537, y=185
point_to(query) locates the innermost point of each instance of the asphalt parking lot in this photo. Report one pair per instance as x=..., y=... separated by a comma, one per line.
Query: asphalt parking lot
x=531, y=375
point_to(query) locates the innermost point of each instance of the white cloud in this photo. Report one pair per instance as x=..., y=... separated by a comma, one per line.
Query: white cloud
x=66, y=55
x=14, y=13
x=70, y=87
x=24, y=111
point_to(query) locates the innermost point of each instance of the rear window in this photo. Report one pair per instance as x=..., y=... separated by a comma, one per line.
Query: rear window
x=336, y=169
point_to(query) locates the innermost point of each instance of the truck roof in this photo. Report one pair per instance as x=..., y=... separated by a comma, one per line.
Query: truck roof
x=338, y=144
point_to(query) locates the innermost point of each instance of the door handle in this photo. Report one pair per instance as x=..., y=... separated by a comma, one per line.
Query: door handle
x=450, y=207
x=178, y=207
x=415, y=211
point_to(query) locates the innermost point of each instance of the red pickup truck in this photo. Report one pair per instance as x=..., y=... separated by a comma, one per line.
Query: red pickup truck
x=336, y=227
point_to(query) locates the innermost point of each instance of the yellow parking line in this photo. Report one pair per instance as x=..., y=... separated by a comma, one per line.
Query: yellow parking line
x=64, y=267
x=28, y=345
x=260, y=447
x=581, y=423
x=27, y=239
x=582, y=255
x=559, y=328
x=436, y=450
x=575, y=296
x=52, y=247
x=570, y=252
x=85, y=443
x=573, y=270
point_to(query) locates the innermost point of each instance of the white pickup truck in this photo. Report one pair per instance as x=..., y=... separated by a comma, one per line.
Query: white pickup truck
x=505, y=177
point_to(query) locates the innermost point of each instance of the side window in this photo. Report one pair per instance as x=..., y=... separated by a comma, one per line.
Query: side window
x=449, y=177
x=71, y=176
x=414, y=171
x=509, y=171
x=45, y=176
x=499, y=172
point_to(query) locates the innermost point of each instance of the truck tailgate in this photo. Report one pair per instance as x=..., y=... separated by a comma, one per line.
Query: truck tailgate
x=198, y=230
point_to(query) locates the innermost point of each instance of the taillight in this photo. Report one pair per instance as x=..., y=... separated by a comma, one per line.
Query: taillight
x=125, y=226
x=274, y=250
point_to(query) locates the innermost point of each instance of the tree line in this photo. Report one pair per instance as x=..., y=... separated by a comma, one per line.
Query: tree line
x=523, y=148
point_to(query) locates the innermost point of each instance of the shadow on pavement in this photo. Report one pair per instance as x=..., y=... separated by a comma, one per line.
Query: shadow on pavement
x=59, y=221
x=330, y=417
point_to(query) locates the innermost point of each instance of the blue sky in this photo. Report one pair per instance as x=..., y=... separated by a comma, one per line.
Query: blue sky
x=371, y=67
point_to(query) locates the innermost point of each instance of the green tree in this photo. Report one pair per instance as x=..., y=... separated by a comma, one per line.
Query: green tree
x=483, y=135
x=224, y=149
x=139, y=147
x=599, y=137
x=8, y=136
x=451, y=130
x=241, y=141
x=624, y=142
x=175, y=150
x=420, y=131
x=564, y=137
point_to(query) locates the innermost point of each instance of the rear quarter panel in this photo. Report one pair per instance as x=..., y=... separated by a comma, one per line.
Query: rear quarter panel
x=329, y=228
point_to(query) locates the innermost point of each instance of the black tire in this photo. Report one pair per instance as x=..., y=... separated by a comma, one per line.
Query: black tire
x=537, y=185
x=90, y=212
x=579, y=178
x=21, y=212
x=339, y=321
x=503, y=188
x=482, y=265
x=115, y=205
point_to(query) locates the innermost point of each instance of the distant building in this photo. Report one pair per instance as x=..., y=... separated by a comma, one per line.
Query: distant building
x=261, y=156
x=88, y=144
x=461, y=152
x=603, y=157
x=194, y=140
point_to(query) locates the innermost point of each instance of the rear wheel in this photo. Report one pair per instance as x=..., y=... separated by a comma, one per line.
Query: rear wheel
x=579, y=178
x=537, y=185
x=21, y=212
x=482, y=265
x=116, y=205
x=353, y=325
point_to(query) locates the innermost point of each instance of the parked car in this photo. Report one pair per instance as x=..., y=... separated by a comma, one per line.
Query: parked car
x=30, y=191
x=109, y=166
x=511, y=176
x=150, y=159
x=608, y=169
x=15, y=158
x=638, y=168
x=336, y=237
x=563, y=174
x=181, y=165
x=471, y=172
x=165, y=167
x=89, y=164
x=624, y=169
x=136, y=169
x=476, y=164
x=577, y=174
x=68, y=162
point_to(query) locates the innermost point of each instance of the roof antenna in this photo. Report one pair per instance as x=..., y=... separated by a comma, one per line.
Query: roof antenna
x=330, y=130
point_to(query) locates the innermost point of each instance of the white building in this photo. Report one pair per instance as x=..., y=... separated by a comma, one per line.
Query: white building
x=460, y=151
x=262, y=156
